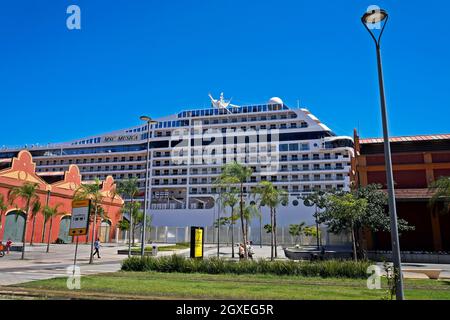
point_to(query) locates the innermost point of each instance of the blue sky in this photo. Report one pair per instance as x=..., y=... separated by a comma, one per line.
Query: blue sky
x=159, y=57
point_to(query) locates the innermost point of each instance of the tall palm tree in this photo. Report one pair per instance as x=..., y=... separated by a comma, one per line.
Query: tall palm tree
x=28, y=193
x=250, y=211
x=50, y=213
x=129, y=189
x=232, y=175
x=441, y=189
x=3, y=208
x=36, y=208
x=271, y=197
x=91, y=191
x=230, y=199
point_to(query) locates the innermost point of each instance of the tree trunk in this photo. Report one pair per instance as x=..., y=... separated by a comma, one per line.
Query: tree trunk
x=49, y=234
x=244, y=235
x=43, y=232
x=354, y=244
x=317, y=231
x=32, y=229
x=130, y=227
x=271, y=235
x=232, y=238
x=260, y=230
x=275, y=232
x=129, y=235
x=25, y=230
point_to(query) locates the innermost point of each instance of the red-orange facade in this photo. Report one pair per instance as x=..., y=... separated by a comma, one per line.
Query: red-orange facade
x=55, y=188
x=417, y=162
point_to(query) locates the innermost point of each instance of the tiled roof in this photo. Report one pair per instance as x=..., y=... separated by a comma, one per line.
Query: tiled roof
x=413, y=193
x=408, y=138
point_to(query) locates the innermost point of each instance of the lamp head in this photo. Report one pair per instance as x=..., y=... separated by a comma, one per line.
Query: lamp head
x=374, y=16
x=147, y=119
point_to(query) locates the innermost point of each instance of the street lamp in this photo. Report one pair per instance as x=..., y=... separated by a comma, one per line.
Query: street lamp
x=149, y=122
x=370, y=18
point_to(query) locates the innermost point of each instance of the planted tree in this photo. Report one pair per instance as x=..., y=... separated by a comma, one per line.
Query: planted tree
x=271, y=197
x=49, y=214
x=36, y=208
x=376, y=216
x=441, y=190
x=230, y=199
x=91, y=191
x=296, y=231
x=28, y=193
x=342, y=213
x=129, y=189
x=251, y=211
x=236, y=175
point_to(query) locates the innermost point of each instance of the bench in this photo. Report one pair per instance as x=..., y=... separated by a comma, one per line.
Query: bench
x=430, y=273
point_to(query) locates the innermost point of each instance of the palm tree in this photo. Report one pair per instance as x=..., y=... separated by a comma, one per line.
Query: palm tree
x=250, y=211
x=296, y=230
x=230, y=199
x=36, y=208
x=49, y=213
x=92, y=192
x=28, y=193
x=236, y=174
x=271, y=197
x=441, y=188
x=129, y=189
x=3, y=208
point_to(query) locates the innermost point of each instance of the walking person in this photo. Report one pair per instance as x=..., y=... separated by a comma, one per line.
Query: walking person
x=241, y=251
x=8, y=245
x=97, y=248
x=250, y=250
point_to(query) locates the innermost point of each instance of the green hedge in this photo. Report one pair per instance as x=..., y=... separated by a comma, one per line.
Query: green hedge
x=174, y=263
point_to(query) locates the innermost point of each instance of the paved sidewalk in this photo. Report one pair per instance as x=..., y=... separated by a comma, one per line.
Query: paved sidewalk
x=40, y=265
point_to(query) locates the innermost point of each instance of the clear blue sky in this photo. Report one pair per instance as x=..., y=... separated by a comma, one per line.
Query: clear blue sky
x=159, y=57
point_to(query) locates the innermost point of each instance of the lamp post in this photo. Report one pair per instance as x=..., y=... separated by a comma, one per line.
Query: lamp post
x=149, y=121
x=372, y=17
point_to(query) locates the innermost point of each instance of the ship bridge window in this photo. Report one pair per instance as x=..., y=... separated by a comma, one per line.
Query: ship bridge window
x=339, y=143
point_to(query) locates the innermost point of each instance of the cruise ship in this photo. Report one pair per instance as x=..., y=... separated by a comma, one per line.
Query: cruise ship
x=288, y=146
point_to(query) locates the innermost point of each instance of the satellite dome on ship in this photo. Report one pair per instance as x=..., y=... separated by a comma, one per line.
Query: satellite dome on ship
x=275, y=100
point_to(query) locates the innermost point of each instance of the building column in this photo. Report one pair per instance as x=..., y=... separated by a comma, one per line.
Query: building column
x=428, y=159
x=436, y=230
x=362, y=168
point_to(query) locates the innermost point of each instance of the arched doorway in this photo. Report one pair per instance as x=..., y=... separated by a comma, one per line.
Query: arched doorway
x=13, y=227
x=105, y=228
x=64, y=225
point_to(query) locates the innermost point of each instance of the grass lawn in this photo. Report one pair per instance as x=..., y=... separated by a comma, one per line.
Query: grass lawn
x=148, y=285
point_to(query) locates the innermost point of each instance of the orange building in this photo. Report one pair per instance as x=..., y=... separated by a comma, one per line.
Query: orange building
x=417, y=162
x=53, y=188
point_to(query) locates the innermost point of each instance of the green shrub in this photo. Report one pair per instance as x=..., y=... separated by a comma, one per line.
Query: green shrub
x=176, y=263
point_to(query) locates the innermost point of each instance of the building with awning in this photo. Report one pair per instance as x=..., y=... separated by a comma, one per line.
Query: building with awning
x=417, y=162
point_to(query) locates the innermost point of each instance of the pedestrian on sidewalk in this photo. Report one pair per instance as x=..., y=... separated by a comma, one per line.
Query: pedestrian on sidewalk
x=97, y=248
x=250, y=250
x=8, y=245
x=241, y=251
